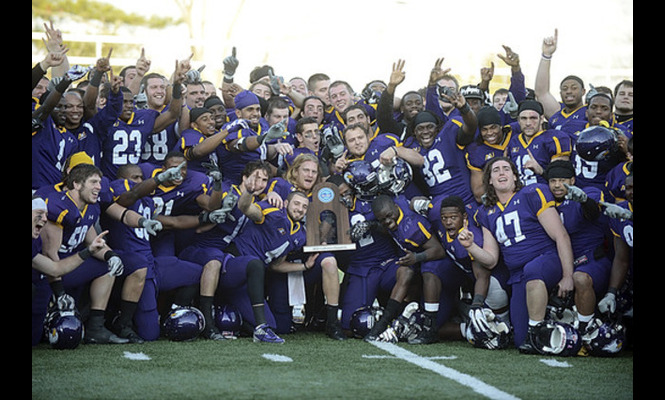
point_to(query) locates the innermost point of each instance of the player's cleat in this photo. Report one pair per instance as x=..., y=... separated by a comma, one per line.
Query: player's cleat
x=212, y=333
x=101, y=335
x=128, y=333
x=263, y=333
x=334, y=331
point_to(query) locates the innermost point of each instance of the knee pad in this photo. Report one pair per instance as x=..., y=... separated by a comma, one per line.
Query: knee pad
x=497, y=297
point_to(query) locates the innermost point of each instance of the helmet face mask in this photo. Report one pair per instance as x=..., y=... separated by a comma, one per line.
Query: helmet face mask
x=556, y=338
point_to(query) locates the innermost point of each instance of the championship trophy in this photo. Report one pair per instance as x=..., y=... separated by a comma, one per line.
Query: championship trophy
x=327, y=221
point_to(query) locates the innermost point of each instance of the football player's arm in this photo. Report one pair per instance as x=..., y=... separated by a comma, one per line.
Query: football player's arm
x=409, y=155
x=102, y=66
x=482, y=284
x=476, y=182
x=283, y=266
x=59, y=268
x=542, y=85
x=175, y=106
x=249, y=208
x=620, y=264
x=179, y=221
x=467, y=131
x=486, y=256
x=207, y=146
x=551, y=222
x=126, y=216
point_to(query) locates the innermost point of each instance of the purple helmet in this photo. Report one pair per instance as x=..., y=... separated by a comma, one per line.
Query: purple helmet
x=64, y=329
x=228, y=320
x=363, y=319
x=362, y=178
x=597, y=143
x=607, y=339
x=184, y=323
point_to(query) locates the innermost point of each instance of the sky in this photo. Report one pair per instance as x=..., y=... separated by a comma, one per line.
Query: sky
x=358, y=40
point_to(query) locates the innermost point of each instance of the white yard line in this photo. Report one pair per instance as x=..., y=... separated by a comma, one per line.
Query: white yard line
x=463, y=379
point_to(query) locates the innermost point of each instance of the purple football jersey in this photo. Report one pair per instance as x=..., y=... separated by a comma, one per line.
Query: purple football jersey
x=544, y=146
x=516, y=227
x=123, y=142
x=445, y=172
x=75, y=224
x=274, y=236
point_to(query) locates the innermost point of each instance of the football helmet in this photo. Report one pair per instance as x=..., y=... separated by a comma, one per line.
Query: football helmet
x=362, y=178
x=604, y=338
x=393, y=179
x=228, y=320
x=556, y=338
x=64, y=329
x=363, y=319
x=183, y=323
x=597, y=143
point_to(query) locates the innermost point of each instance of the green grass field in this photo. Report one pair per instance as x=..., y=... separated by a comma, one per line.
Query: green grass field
x=311, y=366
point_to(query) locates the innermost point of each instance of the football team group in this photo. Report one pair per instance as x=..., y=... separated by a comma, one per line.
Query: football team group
x=165, y=207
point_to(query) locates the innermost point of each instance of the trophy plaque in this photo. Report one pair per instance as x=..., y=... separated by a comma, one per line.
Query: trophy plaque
x=327, y=221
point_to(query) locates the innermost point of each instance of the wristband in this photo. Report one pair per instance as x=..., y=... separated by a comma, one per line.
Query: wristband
x=85, y=253
x=96, y=78
x=612, y=291
x=464, y=109
x=546, y=57
x=478, y=300
x=420, y=257
x=63, y=85
x=58, y=288
x=109, y=254
x=177, y=91
x=122, y=217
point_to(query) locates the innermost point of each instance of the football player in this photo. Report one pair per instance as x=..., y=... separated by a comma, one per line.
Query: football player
x=533, y=241
x=211, y=246
x=535, y=147
x=440, y=145
x=72, y=216
x=419, y=250
x=571, y=89
x=268, y=238
x=123, y=143
x=587, y=227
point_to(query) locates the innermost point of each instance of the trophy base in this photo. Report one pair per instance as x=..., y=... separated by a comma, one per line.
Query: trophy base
x=329, y=247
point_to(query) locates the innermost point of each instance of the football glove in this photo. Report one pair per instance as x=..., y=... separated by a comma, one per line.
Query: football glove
x=150, y=225
x=361, y=229
x=575, y=194
x=421, y=206
x=171, y=174
x=116, y=267
x=608, y=304
x=615, y=211
x=62, y=302
x=333, y=142
x=230, y=64
x=276, y=131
